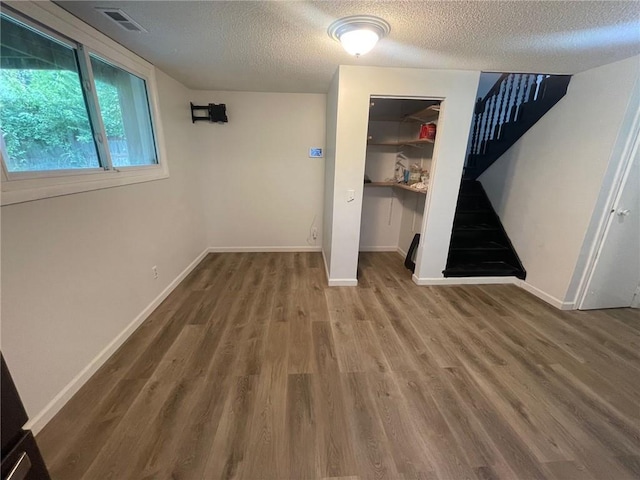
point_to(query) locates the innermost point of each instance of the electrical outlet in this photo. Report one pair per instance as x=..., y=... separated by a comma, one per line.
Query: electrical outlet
x=314, y=233
x=154, y=269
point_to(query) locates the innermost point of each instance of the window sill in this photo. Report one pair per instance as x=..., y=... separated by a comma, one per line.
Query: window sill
x=27, y=190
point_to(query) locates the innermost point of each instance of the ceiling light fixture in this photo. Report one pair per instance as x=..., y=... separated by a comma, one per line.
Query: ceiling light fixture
x=358, y=34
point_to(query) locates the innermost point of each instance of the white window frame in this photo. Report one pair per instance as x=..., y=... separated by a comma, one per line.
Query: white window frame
x=20, y=187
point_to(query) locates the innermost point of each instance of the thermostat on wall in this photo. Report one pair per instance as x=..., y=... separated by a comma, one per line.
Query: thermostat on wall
x=315, y=153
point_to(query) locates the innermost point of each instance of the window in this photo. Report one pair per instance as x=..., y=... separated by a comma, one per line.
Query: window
x=69, y=115
x=43, y=114
x=125, y=114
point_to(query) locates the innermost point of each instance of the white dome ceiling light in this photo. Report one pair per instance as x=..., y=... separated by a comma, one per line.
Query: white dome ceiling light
x=358, y=34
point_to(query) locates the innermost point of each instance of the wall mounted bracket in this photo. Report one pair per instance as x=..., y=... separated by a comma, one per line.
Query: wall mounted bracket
x=209, y=113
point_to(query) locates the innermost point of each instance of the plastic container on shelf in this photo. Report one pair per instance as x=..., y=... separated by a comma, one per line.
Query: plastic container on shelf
x=415, y=172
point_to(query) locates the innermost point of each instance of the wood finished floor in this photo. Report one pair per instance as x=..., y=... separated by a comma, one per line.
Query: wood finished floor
x=253, y=369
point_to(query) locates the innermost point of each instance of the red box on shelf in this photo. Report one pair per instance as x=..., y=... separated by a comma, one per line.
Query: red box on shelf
x=427, y=131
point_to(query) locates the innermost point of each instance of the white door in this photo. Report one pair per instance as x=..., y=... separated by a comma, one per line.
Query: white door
x=616, y=274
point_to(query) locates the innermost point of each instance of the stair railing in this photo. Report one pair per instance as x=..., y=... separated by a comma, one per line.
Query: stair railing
x=503, y=105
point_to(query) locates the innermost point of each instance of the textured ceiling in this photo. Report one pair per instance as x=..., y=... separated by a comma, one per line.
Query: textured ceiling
x=283, y=46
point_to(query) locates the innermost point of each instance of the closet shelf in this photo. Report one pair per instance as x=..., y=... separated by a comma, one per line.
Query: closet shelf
x=400, y=143
x=401, y=186
x=423, y=116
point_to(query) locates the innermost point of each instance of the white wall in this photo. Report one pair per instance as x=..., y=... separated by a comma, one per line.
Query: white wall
x=356, y=85
x=390, y=217
x=381, y=209
x=330, y=168
x=76, y=270
x=545, y=186
x=381, y=217
x=260, y=189
x=412, y=218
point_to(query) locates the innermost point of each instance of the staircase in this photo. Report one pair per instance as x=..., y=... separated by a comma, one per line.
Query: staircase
x=514, y=104
x=479, y=244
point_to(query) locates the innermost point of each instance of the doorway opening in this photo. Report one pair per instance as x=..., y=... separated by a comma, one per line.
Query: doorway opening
x=400, y=157
x=614, y=277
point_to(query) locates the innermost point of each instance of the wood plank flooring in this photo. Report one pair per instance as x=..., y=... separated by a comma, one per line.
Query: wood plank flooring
x=253, y=369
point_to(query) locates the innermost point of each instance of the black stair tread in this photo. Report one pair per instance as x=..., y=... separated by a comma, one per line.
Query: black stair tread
x=474, y=245
x=476, y=227
x=475, y=235
x=472, y=257
x=483, y=269
x=472, y=202
x=479, y=246
x=470, y=185
x=475, y=210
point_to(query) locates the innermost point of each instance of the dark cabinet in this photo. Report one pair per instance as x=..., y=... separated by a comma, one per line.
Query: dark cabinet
x=21, y=458
x=23, y=461
x=13, y=414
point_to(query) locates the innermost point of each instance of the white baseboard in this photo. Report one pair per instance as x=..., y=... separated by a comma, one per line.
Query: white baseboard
x=401, y=252
x=304, y=248
x=338, y=282
x=343, y=282
x=465, y=280
x=38, y=421
x=551, y=300
x=391, y=248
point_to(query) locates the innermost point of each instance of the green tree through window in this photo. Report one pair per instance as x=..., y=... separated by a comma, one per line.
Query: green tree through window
x=45, y=114
x=44, y=120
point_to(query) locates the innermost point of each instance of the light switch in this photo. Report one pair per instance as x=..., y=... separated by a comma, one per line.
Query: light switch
x=351, y=195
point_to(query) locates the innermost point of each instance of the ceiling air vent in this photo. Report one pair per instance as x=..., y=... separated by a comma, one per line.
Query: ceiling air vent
x=122, y=19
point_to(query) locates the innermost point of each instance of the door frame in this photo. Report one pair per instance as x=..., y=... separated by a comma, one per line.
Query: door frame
x=626, y=145
x=434, y=163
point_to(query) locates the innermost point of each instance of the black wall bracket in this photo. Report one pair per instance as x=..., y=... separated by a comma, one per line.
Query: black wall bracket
x=209, y=113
